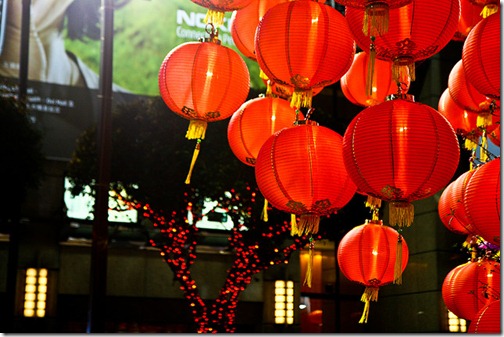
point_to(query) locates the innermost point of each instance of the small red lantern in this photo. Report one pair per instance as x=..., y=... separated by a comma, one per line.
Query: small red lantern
x=203, y=82
x=414, y=33
x=487, y=320
x=355, y=81
x=218, y=8
x=481, y=57
x=469, y=17
x=304, y=45
x=471, y=286
x=482, y=201
x=372, y=255
x=299, y=171
x=400, y=151
x=451, y=208
x=254, y=122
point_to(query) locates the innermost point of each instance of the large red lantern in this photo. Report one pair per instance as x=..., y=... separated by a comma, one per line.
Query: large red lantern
x=254, y=122
x=218, y=8
x=373, y=255
x=414, y=34
x=299, y=171
x=481, y=56
x=400, y=151
x=471, y=286
x=469, y=17
x=304, y=45
x=203, y=82
x=482, y=201
x=487, y=320
x=356, y=80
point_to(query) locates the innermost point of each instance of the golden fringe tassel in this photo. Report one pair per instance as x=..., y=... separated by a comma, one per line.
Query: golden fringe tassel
x=214, y=17
x=294, y=229
x=489, y=10
x=370, y=294
x=401, y=214
x=309, y=266
x=484, y=148
x=308, y=224
x=301, y=98
x=401, y=71
x=470, y=144
x=193, y=161
x=376, y=20
x=264, y=214
x=262, y=75
x=398, y=261
x=269, y=89
x=373, y=202
x=370, y=82
x=484, y=119
x=197, y=129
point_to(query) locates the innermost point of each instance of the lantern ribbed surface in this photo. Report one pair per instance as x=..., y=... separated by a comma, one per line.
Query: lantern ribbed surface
x=451, y=207
x=203, y=81
x=353, y=83
x=299, y=171
x=400, y=151
x=305, y=45
x=463, y=122
x=469, y=17
x=464, y=93
x=481, y=56
x=471, y=286
x=254, y=122
x=482, y=201
x=487, y=320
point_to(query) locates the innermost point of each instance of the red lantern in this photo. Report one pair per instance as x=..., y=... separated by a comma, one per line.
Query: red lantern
x=469, y=17
x=415, y=33
x=203, y=82
x=451, y=208
x=372, y=255
x=482, y=201
x=304, y=45
x=487, y=320
x=299, y=171
x=471, y=286
x=218, y=8
x=254, y=122
x=481, y=57
x=354, y=82
x=400, y=151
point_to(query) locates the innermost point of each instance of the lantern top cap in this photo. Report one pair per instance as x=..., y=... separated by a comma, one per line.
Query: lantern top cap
x=406, y=97
x=307, y=122
x=374, y=222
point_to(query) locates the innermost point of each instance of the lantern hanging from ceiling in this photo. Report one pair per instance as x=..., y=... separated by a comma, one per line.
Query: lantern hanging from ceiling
x=469, y=17
x=451, y=207
x=203, y=82
x=304, y=45
x=218, y=8
x=482, y=201
x=494, y=136
x=376, y=13
x=414, y=33
x=471, y=286
x=487, y=320
x=370, y=254
x=254, y=122
x=489, y=6
x=299, y=171
x=400, y=151
x=381, y=84
x=481, y=56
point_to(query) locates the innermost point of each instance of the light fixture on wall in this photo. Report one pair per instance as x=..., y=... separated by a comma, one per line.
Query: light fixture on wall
x=35, y=292
x=284, y=302
x=456, y=324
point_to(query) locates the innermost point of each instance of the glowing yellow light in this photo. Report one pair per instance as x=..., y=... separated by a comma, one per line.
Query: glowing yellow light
x=41, y=297
x=290, y=291
x=42, y=289
x=40, y=313
x=29, y=312
x=403, y=129
x=31, y=272
x=374, y=252
x=290, y=320
x=280, y=312
x=290, y=299
x=30, y=297
x=279, y=298
x=279, y=305
x=279, y=320
x=40, y=305
x=209, y=74
x=43, y=272
x=29, y=305
x=30, y=288
x=279, y=291
x=42, y=280
x=290, y=306
x=279, y=283
x=31, y=280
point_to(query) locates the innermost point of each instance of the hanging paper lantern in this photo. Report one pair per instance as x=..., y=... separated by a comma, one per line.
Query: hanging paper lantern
x=371, y=255
x=353, y=83
x=451, y=207
x=244, y=24
x=400, y=151
x=494, y=136
x=376, y=13
x=482, y=201
x=471, y=286
x=481, y=57
x=218, y=8
x=254, y=122
x=469, y=17
x=203, y=82
x=304, y=45
x=489, y=6
x=299, y=171
x=415, y=33
x=487, y=320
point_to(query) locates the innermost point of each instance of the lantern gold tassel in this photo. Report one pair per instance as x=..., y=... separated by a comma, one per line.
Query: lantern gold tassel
x=301, y=98
x=483, y=147
x=373, y=202
x=264, y=214
x=293, y=224
x=484, y=119
x=489, y=10
x=214, y=17
x=376, y=19
x=401, y=214
x=401, y=71
x=309, y=265
x=370, y=294
x=370, y=83
x=197, y=129
x=470, y=144
x=193, y=161
x=308, y=224
x=398, y=262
